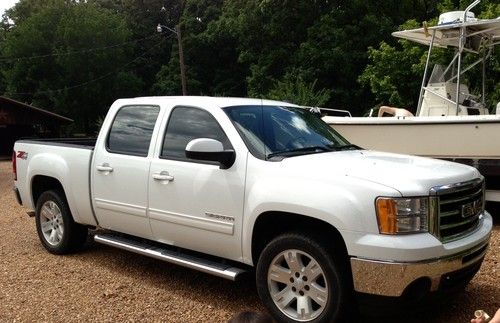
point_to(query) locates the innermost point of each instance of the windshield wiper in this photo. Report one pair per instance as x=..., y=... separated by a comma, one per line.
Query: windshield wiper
x=297, y=151
x=348, y=147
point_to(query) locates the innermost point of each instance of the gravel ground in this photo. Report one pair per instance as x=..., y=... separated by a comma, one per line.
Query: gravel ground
x=105, y=284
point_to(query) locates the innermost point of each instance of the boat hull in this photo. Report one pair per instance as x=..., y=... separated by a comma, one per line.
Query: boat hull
x=471, y=140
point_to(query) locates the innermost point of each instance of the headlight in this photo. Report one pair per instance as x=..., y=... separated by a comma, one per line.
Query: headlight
x=402, y=215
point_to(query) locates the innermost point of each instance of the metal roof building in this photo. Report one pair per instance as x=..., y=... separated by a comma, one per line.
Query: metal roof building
x=19, y=120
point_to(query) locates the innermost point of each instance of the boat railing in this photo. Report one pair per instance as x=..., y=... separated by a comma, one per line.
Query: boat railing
x=344, y=112
x=336, y=112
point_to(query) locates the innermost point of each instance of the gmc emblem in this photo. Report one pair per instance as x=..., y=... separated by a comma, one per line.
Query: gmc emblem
x=472, y=208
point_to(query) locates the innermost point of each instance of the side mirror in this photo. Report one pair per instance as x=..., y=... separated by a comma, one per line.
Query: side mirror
x=210, y=150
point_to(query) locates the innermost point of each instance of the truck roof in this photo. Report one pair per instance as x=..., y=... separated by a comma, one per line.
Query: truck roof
x=205, y=101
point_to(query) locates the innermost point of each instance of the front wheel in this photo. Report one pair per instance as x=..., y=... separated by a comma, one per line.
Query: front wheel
x=300, y=279
x=55, y=226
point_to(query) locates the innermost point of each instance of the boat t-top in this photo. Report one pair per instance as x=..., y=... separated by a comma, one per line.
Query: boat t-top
x=450, y=122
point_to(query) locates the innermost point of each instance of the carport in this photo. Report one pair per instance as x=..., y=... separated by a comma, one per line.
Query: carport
x=21, y=120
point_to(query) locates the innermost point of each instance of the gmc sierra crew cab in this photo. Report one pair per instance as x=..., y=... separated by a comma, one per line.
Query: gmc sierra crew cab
x=222, y=185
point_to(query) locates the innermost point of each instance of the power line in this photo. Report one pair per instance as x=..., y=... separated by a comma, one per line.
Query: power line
x=87, y=50
x=90, y=81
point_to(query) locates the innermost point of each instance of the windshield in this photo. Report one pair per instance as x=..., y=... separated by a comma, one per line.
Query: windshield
x=438, y=75
x=276, y=132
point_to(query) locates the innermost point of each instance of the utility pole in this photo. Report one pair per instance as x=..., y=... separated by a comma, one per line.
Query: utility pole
x=177, y=32
x=181, y=59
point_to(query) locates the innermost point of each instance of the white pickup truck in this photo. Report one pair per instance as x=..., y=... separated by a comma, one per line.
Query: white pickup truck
x=222, y=185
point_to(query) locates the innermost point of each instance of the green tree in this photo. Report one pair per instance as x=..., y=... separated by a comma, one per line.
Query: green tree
x=52, y=67
x=336, y=53
x=141, y=18
x=269, y=35
x=294, y=89
x=339, y=53
x=4, y=29
x=209, y=52
x=394, y=74
x=248, y=47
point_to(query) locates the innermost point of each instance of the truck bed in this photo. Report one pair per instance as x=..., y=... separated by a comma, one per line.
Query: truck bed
x=68, y=161
x=86, y=143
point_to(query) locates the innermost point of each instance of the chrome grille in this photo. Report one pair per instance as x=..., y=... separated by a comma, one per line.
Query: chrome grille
x=456, y=209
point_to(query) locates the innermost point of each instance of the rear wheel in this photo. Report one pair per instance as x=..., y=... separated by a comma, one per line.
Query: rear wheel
x=55, y=226
x=300, y=279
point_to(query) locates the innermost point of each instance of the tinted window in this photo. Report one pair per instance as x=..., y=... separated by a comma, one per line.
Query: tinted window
x=186, y=124
x=132, y=130
x=270, y=131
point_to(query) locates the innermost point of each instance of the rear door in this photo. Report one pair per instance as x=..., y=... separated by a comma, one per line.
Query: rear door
x=120, y=171
x=195, y=204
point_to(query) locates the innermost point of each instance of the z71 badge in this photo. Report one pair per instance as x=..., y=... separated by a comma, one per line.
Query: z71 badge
x=22, y=155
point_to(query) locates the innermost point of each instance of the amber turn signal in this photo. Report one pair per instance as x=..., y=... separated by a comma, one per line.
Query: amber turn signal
x=387, y=215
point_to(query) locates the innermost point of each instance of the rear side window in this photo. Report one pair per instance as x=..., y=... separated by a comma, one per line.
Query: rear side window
x=132, y=129
x=186, y=124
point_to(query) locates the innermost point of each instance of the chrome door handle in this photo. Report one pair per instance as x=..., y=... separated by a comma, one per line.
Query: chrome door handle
x=104, y=168
x=163, y=176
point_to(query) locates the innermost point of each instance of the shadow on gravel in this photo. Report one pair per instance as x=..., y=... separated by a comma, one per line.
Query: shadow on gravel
x=494, y=209
x=237, y=296
x=200, y=287
x=435, y=308
x=241, y=295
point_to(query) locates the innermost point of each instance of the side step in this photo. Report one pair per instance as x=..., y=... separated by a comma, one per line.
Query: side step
x=163, y=253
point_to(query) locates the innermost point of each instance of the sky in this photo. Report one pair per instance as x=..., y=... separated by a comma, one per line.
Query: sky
x=6, y=4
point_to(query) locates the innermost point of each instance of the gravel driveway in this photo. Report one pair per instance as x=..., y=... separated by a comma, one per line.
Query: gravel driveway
x=105, y=284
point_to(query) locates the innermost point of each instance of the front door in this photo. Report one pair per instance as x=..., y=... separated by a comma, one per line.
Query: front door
x=195, y=204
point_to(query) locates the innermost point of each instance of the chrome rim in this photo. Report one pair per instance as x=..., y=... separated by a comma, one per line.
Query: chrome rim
x=297, y=285
x=51, y=223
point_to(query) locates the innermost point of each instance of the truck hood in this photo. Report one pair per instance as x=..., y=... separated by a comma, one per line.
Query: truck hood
x=410, y=175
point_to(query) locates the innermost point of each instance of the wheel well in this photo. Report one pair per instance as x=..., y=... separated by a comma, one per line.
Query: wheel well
x=272, y=224
x=41, y=184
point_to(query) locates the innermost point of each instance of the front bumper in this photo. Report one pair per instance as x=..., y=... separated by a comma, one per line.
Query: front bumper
x=394, y=278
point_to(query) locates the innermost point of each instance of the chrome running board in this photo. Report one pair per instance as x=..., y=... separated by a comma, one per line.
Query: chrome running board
x=163, y=253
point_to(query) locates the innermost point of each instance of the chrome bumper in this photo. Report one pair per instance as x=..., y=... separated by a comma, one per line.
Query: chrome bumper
x=392, y=278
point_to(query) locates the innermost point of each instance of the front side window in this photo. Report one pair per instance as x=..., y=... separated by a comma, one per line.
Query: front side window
x=186, y=124
x=279, y=131
x=132, y=129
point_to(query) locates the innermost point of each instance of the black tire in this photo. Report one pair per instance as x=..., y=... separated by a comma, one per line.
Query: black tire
x=335, y=279
x=69, y=236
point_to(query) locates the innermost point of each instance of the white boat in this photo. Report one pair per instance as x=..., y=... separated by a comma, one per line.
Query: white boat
x=450, y=123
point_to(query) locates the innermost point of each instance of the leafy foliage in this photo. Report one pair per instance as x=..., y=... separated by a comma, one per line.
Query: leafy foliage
x=394, y=75
x=294, y=89
x=333, y=53
x=394, y=72
x=62, y=75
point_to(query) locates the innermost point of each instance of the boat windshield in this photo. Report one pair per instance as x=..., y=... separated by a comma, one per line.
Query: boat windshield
x=277, y=132
x=438, y=74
